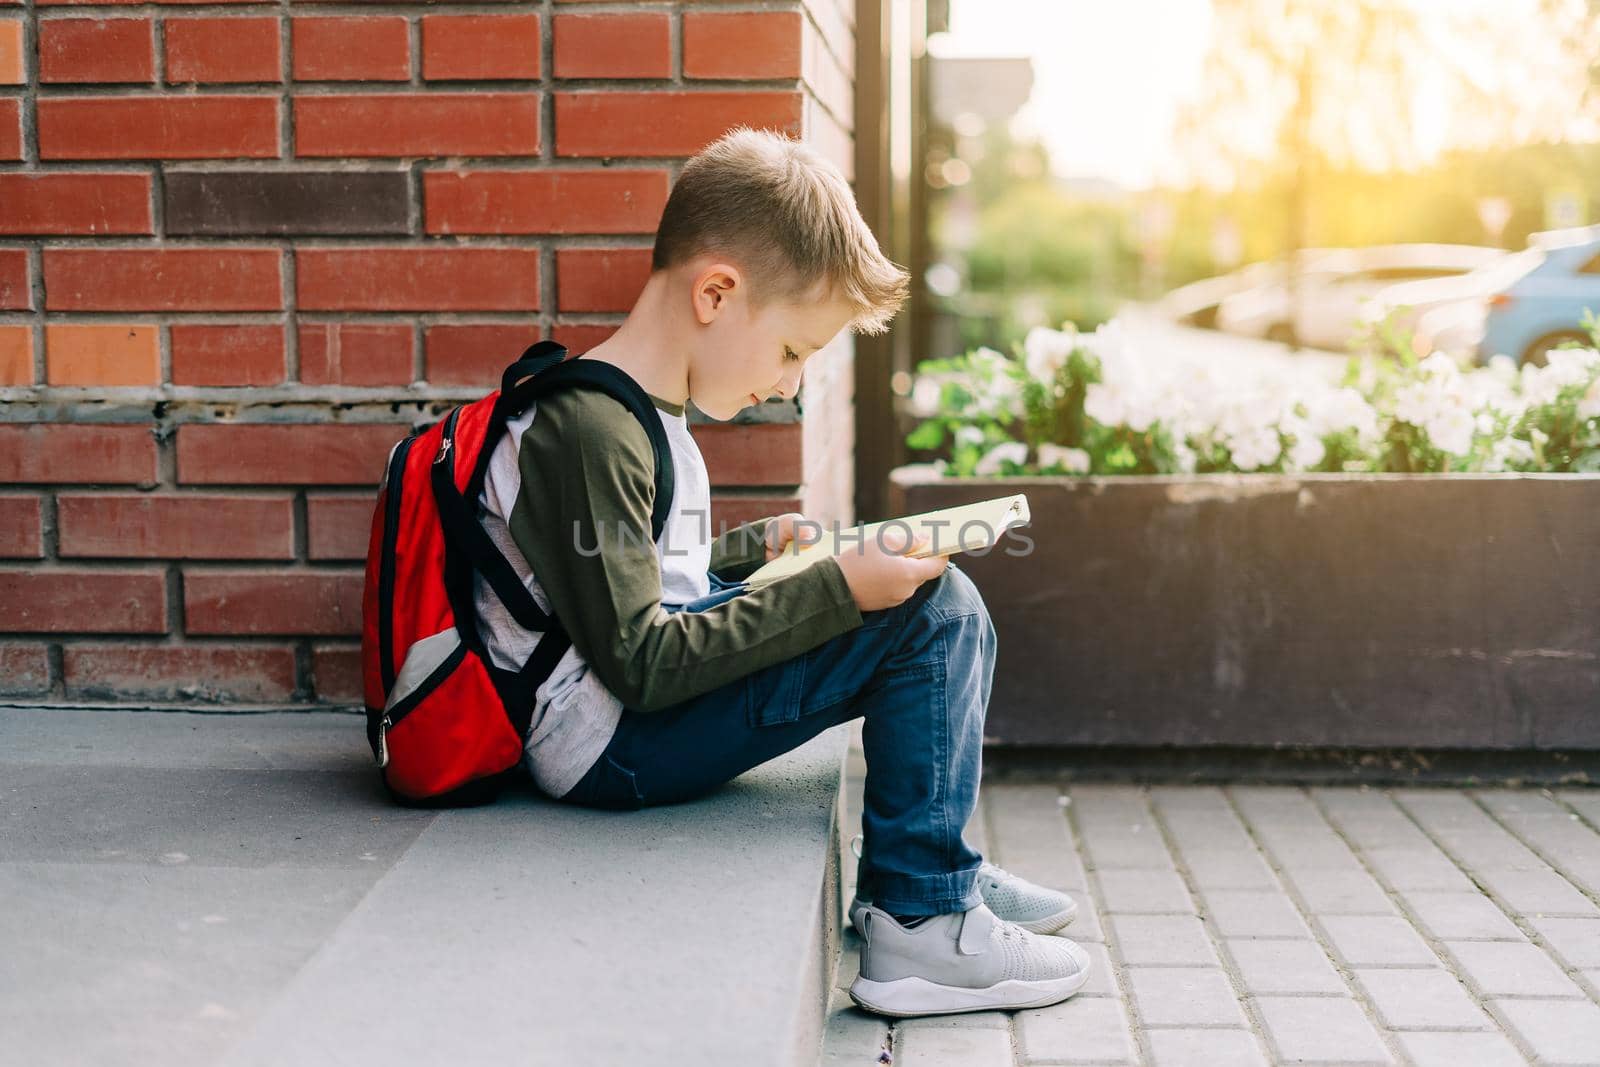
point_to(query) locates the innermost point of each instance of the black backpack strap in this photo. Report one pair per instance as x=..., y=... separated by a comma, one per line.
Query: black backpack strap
x=514, y=393
x=535, y=359
x=579, y=373
x=469, y=551
x=458, y=515
x=544, y=368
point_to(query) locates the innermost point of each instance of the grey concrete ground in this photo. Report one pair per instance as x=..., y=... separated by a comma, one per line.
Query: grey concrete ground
x=204, y=889
x=236, y=889
x=1275, y=924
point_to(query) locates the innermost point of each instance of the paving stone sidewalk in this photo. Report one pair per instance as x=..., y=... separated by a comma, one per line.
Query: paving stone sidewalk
x=1245, y=925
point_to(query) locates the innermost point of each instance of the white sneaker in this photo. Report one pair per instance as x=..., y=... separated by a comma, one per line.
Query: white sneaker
x=961, y=961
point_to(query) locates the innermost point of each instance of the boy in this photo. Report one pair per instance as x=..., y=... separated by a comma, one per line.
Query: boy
x=679, y=676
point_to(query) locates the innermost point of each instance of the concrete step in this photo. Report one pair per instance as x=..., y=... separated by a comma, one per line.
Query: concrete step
x=235, y=889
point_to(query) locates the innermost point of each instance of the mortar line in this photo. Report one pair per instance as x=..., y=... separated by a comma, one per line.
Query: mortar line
x=1505, y=907
x=1246, y=999
x=28, y=106
x=545, y=317
x=56, y=671
x=176, y=607
x=1119, y=966
x=1345, y=973
x=1435, y=944
x=1531, y=846
x=1578, y=812
x=675, y=45
x=1527, y=929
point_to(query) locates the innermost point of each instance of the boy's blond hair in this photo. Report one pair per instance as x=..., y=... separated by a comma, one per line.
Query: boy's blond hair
x=788, y=218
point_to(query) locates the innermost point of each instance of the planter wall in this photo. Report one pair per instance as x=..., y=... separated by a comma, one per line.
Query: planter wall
x=1389, y=610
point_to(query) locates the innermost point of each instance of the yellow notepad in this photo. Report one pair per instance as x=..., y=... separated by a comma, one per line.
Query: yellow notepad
x=948, y=530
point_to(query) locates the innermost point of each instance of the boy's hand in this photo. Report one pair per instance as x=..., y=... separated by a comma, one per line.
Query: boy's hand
x=881, y=576
x=781, y=531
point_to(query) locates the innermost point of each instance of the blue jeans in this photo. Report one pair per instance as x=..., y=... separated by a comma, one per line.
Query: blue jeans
x=919, y=674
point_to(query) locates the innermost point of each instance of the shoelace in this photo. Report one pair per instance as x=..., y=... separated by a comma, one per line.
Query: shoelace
x=994, y=875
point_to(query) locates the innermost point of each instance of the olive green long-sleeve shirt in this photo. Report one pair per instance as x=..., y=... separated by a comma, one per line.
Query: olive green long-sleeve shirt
x=588, y=482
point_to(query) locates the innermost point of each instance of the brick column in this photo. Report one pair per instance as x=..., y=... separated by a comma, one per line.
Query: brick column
x=242, y=254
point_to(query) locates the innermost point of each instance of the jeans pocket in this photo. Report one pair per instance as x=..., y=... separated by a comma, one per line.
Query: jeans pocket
x=608, y=784
x=773, y=695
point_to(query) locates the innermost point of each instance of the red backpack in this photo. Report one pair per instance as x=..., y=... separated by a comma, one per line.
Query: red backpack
x=445, y=724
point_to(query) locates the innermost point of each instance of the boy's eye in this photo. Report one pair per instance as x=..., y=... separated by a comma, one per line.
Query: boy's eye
x=790, y=356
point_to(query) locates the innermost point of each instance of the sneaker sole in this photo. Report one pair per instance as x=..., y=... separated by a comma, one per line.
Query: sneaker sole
x=905, y=997
x=1051, y=923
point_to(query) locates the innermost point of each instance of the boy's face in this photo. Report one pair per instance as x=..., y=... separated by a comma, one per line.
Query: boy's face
x=747, y=354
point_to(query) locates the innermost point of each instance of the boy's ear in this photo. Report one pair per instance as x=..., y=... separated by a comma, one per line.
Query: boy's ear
x=712, y=288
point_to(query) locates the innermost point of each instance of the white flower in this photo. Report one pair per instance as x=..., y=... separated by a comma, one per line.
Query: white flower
x=1072, y=460
x=1173, y=401
x=1451, y=431
x=1186, y=458
x=1413, y=403
x=1125, y=396
x=1574, y=364
x=1494, y=393
x=925, y=396
x=1104, y=404
x=1267, y=419
x=1124, y=403
x=1439, y=365
x=1255, y=448
x=1443, y=404
x=1307, y=450
x=1246, y=422
x=1506, y=452
x=1109, y=345
x=1336, y=410
x=1589, y=405
x=1305, y=453
x=1504, y=368
x=1139, y=411
x=990, y=378
x=1564, y=367
x=1004, y=398
x=984, y=356
x=1045, y=351
x=1014, y=451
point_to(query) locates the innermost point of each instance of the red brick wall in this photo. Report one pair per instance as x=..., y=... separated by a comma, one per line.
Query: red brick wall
x=243, y=252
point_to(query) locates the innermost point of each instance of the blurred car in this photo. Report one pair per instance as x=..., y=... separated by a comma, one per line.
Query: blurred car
x=1262, y=310
x=1196, y=304
x=1456, y=328
x=1544, y=307
x=1405, y=303
x=1448, y=313
x=1334, y=288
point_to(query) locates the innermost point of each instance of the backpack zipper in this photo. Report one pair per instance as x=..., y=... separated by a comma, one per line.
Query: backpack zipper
x=415, y=697
x=386, y=566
